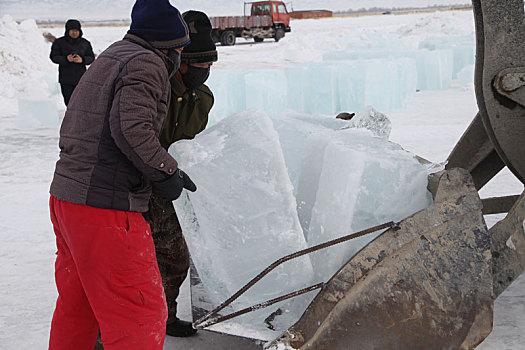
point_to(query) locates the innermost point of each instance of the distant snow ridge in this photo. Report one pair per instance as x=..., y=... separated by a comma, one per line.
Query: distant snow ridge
x=24, y=61
x=437, y=24
x=23, y=49
x=64, y=9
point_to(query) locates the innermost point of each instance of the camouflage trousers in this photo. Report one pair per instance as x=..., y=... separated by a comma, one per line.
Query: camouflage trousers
x=171, y=249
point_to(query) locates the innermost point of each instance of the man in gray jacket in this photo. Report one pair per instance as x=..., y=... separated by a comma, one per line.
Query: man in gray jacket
x=110, y=162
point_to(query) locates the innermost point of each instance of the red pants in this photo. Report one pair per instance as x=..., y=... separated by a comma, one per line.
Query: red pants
x=107, y=276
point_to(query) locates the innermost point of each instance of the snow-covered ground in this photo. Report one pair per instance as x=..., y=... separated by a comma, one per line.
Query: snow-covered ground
x=429, y=124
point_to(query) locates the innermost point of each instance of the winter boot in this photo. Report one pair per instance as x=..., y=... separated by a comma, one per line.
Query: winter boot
x=180, y=328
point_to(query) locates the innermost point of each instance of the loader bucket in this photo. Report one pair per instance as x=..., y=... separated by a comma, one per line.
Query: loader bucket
x=426, y=285
x=508, y=247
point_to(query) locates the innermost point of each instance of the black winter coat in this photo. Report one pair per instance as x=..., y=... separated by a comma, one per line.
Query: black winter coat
x=69, y=73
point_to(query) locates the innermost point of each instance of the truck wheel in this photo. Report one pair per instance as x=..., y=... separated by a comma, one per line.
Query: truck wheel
x=279, y=34
x=228, y=38
x=258, y=39
x=215, y=36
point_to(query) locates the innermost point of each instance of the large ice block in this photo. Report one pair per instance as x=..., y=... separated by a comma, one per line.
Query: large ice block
x=463, y=48
x=327, y=87
x=320, y=90
x=466, y=76
x=303, y=140
x=334, y=86
x=308, y=182
x=345, y=175
x=294, y=129
x=434, y=67
x=243, y=215
x=364, y=181
x=266, y=90
x=230, y=93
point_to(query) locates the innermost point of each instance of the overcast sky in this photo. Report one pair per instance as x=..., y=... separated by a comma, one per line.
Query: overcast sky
x=120, y=9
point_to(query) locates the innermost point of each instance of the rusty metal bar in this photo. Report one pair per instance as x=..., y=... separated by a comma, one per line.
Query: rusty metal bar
x=212, y=321
x=290, y=257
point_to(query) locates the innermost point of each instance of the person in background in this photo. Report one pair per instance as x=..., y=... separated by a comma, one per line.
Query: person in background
x=72, y=53
x=191, y=101
x=111, y=160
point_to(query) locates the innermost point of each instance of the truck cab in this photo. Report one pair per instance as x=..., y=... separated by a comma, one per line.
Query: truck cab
x=276, y=9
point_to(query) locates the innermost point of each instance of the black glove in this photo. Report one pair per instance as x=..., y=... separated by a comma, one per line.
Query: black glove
x=172, y=187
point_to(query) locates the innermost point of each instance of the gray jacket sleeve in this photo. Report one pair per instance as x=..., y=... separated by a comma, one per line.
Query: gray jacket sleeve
x=135, y=111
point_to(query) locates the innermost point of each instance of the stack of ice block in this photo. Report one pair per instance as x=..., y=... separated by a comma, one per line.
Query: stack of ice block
x=268, y=187
x=379, y=69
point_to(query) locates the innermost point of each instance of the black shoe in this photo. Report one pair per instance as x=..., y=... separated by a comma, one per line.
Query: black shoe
x=180, y=328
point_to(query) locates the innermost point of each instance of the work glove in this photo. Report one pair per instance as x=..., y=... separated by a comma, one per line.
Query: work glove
x=173, y=186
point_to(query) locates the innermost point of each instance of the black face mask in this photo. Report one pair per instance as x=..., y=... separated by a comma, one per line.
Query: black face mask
x=175, y=58
x=195, y=77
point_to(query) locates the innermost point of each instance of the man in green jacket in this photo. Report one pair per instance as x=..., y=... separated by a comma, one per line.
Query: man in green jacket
x=190, y=104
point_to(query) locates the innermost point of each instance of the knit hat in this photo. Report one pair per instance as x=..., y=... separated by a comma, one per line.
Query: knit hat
x=202, y=48
x=159, y=23
x=73, y=24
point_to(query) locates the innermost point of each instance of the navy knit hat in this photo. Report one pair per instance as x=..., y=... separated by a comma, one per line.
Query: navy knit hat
x=202, y=48
x=159, y=23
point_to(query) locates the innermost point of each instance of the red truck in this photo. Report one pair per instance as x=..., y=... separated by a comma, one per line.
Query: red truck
x=266, y=19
